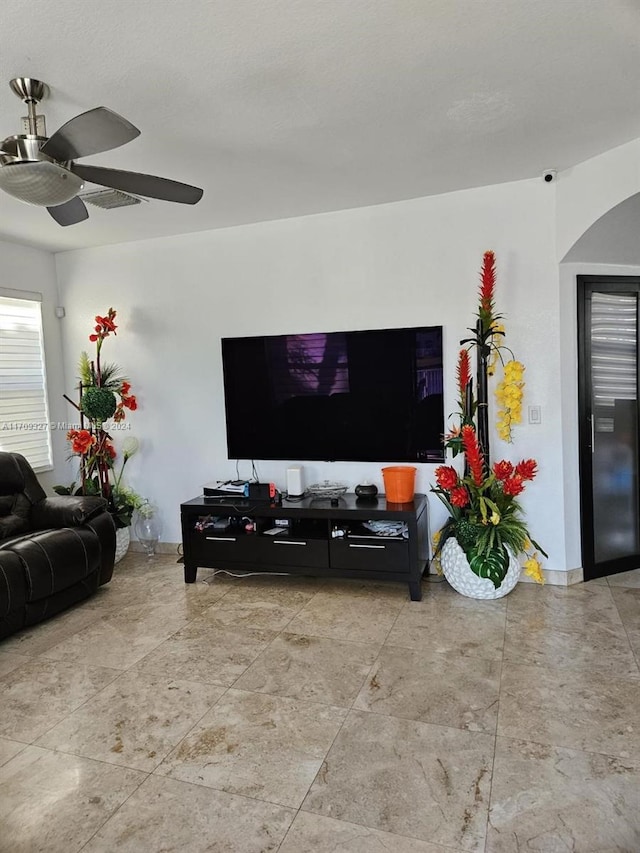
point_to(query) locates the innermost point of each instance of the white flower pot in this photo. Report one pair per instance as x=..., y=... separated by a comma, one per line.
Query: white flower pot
x=123, y=538
x=455, y=568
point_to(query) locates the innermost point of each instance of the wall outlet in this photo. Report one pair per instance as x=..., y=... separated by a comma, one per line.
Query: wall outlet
x=535, y=415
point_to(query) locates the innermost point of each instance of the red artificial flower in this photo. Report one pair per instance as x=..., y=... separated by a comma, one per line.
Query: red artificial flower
x=110, y=449
x=119, y=414
x=108, y=323
x=104, y=326
x=81, y=440
x=464, y=372
x=125, y=388
x=503, y=470
x=513, y=486
x=130, y=403
x=527, y=469
x=446, y=477
x=487, y=282
x=459, y=496
x=473, y=454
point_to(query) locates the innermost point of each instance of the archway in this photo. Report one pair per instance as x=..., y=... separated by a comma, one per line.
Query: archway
x=609, y=247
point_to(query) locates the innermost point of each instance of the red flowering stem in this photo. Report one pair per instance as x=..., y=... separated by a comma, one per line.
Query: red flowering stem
x=473, y=454
x=482, y=343
x=464, y=376
x=487, y=284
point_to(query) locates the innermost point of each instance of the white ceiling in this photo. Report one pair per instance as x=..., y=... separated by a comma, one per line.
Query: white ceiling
x=281, y=108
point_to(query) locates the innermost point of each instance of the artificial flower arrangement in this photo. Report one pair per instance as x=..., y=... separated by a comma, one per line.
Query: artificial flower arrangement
x=485, y=516
x=104, y=394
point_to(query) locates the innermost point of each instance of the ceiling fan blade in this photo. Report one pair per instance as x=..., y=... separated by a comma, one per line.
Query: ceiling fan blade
x=96, y=130
x=139, y=184
x=70, y=212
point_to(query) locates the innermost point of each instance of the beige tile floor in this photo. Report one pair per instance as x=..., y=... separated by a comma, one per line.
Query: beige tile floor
x=292, y=715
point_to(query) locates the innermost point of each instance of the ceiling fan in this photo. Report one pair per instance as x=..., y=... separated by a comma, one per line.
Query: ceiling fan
x=42, y=170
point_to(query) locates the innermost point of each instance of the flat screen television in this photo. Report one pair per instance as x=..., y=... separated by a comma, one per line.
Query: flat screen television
x=365, y=396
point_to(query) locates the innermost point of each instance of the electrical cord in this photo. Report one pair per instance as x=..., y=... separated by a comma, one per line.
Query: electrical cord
x=245, y=575
x=254, y=473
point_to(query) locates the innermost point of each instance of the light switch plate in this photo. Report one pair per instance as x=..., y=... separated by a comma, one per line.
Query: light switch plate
x=535, y=415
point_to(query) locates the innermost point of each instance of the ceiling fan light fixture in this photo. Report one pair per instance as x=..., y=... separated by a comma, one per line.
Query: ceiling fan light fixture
x=42, y=171
x=40, y=183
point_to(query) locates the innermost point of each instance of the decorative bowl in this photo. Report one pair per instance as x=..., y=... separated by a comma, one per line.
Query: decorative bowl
x=327, y=489
x=366, y=490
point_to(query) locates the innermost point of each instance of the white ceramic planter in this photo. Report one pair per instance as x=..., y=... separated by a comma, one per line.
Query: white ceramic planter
x=123, y=539
x=455, y=568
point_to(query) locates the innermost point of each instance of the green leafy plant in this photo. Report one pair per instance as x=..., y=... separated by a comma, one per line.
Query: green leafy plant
x=124, y=502
x=485, y=517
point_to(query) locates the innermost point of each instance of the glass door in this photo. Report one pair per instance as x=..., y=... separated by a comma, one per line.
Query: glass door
x=609, y=423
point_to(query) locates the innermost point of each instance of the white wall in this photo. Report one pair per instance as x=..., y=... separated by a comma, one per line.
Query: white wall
x=589, y=190
x=25, y=268
x=403, y=264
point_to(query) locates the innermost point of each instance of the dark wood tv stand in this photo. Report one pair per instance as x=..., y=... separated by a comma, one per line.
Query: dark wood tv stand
x=323, y=538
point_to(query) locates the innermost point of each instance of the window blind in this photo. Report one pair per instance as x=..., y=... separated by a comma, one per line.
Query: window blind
x=24, y=411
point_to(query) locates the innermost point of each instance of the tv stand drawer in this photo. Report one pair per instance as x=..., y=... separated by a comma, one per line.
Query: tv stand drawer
x=294, y=551
x=390, y=555
x=211, y=550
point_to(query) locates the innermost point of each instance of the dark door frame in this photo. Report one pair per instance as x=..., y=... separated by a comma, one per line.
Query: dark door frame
x=586, y=285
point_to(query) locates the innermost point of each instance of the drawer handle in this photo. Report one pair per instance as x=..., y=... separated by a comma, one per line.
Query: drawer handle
x=371, y=547
x=221, y=538
x=285, y=542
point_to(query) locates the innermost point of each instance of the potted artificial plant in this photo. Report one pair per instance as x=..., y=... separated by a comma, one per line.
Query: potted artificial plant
x=482, y=544
x=104, y=395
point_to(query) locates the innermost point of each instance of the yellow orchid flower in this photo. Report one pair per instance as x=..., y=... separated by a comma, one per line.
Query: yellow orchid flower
x=533, y=569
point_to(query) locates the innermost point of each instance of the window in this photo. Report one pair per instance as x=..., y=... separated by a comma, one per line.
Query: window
x=24, y=411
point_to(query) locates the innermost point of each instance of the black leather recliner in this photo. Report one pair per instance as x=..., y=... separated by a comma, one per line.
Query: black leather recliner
x=54, y=551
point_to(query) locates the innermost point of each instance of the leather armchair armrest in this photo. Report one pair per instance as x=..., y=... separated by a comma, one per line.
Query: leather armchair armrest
x=65, y=511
